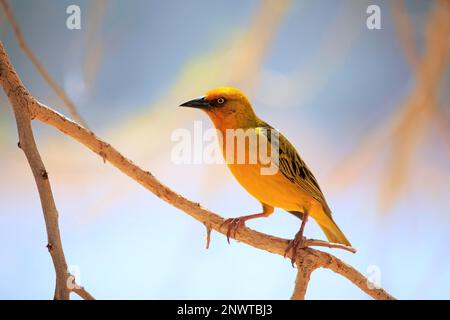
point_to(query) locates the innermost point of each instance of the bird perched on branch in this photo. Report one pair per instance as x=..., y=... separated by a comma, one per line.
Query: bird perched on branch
x=291, y=186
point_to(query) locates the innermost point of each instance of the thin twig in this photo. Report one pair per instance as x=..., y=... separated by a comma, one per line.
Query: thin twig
x=326, y=244
x=75, y=288
x=39, y=66
x=208, y=235
x=83, y=293
x=20, y=101
x=80, y=291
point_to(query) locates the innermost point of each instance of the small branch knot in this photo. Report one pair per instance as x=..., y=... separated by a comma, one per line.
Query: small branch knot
x=49, y=247
x=44, y=174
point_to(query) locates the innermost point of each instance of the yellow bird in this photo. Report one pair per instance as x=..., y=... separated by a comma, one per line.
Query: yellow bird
x=292, y=187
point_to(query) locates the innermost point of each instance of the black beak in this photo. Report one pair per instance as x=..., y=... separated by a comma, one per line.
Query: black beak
x=200, y=103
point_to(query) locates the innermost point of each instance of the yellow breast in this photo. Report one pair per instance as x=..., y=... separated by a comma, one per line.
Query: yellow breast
x=275, y=190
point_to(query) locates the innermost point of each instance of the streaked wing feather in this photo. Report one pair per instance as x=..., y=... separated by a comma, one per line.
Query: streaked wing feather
x=295, y=169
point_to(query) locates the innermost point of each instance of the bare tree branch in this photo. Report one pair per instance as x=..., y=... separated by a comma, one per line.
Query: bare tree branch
x=39, y=66
x=305, y=265
x=27, y=107
x=80, y=291
x=83, y=293
x=20, y=101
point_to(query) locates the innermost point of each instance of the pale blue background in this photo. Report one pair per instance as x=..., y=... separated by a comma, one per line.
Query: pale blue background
x=128, y=244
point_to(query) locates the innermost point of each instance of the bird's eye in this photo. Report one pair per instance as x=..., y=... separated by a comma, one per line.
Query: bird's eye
x=220, y=100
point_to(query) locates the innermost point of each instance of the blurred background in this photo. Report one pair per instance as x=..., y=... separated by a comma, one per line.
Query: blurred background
x=369, y=111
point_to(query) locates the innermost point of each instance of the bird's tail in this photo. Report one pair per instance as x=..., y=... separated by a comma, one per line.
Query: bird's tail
x=333, y=233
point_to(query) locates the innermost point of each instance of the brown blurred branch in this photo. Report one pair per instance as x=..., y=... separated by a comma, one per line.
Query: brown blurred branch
x=96, y=44
x=443, y=120
x=420, y=103
x=21, y=101
x=27, y=108
x=407, y=126
x=405, y=32
x=39, y=66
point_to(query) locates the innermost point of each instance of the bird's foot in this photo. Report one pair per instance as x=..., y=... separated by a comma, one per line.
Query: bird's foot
x=298, y=243
x=233, y=225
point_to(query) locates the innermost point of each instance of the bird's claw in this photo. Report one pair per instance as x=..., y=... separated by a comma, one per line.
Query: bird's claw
x=233, y=225
x=299, y=242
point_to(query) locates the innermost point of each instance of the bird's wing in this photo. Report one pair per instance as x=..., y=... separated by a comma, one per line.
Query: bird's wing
x=294, y=168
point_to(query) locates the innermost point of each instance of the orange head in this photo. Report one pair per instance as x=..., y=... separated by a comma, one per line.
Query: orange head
x=227, y=107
